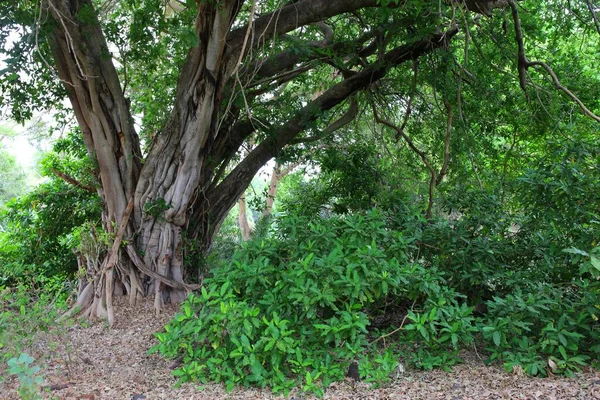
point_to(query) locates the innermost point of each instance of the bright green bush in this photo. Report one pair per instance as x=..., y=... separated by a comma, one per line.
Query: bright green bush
x=293, y=308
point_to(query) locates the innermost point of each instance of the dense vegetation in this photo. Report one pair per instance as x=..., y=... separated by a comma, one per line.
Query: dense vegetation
x=517, y=279
x=449, y=203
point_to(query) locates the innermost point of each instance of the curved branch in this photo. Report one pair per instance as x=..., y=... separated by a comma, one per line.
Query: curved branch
x=288, y=60
x=419, y=152
x=564, y=89
x=339, y=123
x=292, y=16
x=73, y=181
x=525, y=64
x=139, y=263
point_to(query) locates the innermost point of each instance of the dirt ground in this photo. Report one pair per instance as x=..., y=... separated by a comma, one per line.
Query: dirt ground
x=104, y=363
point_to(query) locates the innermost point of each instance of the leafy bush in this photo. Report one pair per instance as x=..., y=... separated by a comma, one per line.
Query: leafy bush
x=293, y=308
x=30, y=382
x=29, y=309
x=548, y=327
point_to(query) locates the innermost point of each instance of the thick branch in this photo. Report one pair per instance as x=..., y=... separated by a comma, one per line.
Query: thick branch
x=229, y=190
x=290, y=17
x=289, y=59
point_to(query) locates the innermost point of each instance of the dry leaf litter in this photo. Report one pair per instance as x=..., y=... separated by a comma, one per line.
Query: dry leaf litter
x=95, y=362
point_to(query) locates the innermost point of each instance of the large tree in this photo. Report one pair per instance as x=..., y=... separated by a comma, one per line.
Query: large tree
x=273, y=72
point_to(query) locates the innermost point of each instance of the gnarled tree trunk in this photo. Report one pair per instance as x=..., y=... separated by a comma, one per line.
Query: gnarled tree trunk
x=182, y=184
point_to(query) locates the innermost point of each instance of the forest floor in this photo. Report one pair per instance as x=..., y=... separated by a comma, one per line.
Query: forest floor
x=95, y=362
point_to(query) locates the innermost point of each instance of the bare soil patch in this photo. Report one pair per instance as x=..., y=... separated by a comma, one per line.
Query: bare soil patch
x=104, y=363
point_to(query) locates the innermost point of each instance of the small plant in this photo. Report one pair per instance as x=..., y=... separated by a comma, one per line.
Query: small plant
x=156, y=207
x=30, y=382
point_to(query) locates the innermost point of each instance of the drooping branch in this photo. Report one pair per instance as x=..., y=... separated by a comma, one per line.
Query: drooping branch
x=444, y=169
x=524, y=64
x=413, y=92
x=435, y=178
x=416, y=150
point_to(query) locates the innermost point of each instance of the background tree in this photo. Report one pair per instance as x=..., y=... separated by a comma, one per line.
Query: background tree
x=274, y=72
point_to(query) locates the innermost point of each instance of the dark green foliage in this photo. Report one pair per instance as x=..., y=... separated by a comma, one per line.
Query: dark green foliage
x=548, y=322
x=504, y=272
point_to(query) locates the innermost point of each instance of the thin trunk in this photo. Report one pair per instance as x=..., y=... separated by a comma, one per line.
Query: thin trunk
x=278, y=174
x=243, y=219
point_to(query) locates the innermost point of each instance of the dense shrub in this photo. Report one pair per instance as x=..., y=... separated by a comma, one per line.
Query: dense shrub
x=293, y=308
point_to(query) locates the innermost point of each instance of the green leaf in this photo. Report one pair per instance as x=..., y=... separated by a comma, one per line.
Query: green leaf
x=595, y=262
x=573, y=250
x=224, y=288
x=562, y=352
x=496, y=337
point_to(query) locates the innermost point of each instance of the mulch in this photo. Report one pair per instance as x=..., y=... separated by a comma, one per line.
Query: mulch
x=95, y=362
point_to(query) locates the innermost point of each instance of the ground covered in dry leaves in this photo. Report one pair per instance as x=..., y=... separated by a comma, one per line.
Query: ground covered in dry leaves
x=94, y=362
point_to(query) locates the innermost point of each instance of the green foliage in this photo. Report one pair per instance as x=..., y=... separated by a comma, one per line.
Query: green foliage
x=30, y=382
x=29, y=315
x=12, y=177
x=37, y=232
x=156, y=207
x=28, y=309
x=294, y=306
x=548, y=322
x=39, y=226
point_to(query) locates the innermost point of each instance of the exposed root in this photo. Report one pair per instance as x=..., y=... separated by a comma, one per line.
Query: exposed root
x=100, y=288
x=83, y=300
x=110, y=313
